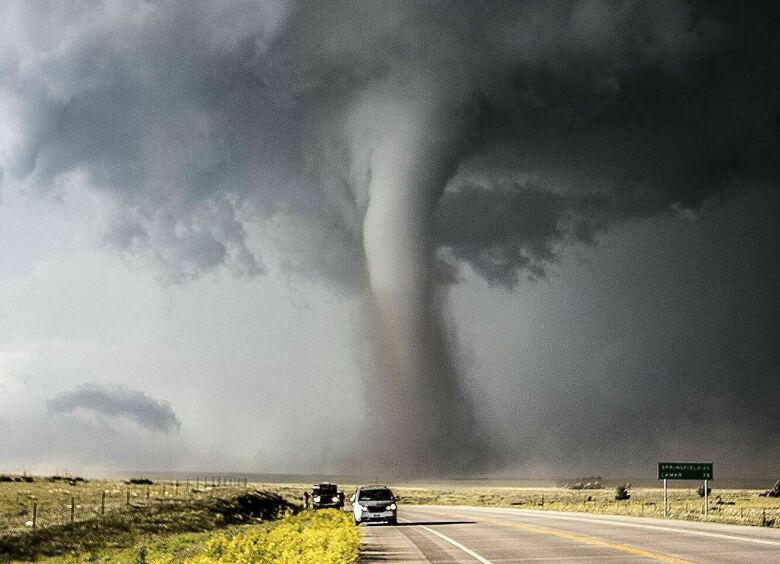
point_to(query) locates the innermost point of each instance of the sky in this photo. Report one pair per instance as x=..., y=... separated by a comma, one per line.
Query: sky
x=422, y=239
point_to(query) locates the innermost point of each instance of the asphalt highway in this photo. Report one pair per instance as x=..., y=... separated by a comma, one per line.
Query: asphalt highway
x=444, y=534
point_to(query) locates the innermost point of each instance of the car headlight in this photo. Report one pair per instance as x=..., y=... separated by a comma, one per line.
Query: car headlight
x=317, y=498
x=392, y=507
x=335, y=499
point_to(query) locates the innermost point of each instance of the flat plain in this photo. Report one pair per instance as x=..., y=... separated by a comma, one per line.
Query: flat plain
x=183, y=517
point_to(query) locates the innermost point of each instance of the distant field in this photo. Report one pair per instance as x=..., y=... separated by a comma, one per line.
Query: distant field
x=747, y=509
x=191, y=522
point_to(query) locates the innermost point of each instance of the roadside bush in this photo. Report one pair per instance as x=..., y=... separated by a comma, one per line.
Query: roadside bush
x=700, y=490
x=250, y=506
x=322, y=537
x=621, y=493
x=774, y=492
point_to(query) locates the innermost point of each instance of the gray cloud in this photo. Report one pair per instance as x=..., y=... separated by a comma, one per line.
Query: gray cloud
x=195, y=119
x=514, y=128
x=117, y=402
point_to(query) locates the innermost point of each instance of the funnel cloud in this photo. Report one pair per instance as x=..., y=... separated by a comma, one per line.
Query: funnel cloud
x=389, y=151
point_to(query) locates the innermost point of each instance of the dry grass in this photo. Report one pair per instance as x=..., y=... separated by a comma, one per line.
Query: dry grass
x=168, y=520
x=747, y=508
x=122, y=525
x=53, y=499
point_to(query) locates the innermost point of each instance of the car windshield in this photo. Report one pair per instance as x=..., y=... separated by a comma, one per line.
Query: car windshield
x=382, y=494
x=324, y=491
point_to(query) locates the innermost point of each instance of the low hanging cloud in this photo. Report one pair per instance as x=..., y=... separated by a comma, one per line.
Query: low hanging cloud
x=194, y=121
x=117, y=402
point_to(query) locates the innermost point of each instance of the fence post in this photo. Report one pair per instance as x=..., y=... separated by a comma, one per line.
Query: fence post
x=103, y=502
x=128, y=497
x=72, y=509
x=35, y=514
x=147, y=492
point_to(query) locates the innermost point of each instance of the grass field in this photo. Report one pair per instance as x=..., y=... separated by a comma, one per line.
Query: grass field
x=167, y=522
x=99, y=526
x=747, y=509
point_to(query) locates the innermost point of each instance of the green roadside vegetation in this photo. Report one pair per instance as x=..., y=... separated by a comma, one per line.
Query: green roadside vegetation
x=310, y=537
x=83, y=521
x=132, y=525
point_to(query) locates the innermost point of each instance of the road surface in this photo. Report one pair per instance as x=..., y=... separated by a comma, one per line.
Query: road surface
x=445, y=534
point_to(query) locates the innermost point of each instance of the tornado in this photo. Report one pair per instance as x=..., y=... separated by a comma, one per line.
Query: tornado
x=423, y=421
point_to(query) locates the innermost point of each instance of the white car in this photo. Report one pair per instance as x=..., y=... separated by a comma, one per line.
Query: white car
x=374, y=503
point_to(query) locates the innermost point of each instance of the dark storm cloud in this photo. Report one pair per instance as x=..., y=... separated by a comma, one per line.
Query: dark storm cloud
x=509, y=228
x=197, y=118
x=670, y=353
x=375, y=136
x=117, y=402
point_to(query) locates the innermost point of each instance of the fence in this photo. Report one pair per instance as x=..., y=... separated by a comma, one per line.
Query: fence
x=684, y=509
x=44, y=503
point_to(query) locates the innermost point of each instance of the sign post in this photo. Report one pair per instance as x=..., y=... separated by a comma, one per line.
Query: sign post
x=666, y=514
x=686, y=471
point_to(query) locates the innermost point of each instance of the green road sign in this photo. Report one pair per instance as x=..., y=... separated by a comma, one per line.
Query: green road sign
x=685, y=471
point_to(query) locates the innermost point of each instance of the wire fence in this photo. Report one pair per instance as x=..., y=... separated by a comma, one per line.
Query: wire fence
x=30, y=509
x=688, y=510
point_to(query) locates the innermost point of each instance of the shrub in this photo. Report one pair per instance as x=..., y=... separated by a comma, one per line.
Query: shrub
x=322, y=537
x=700, y=490
x=621, y=493
x=774, y=492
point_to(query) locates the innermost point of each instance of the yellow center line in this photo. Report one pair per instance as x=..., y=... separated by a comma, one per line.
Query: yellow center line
x=578, y=538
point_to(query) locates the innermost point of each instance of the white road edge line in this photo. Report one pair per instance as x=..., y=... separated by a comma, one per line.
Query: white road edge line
x=551, y=515
x=458, y=545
